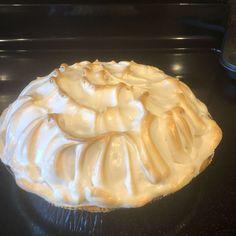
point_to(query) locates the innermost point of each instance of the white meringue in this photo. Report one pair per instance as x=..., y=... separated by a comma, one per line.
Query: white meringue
x=106, y=134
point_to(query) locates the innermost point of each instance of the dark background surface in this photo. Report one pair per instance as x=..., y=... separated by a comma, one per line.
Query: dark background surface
x=184, y=40
x=107, y=1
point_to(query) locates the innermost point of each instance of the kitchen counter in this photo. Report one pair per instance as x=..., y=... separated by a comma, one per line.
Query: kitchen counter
x=184, y=40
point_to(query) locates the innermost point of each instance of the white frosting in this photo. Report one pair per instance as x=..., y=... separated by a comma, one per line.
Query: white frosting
x=106, y=134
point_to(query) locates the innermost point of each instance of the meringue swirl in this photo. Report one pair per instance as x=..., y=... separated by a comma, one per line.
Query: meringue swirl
x=106, y=134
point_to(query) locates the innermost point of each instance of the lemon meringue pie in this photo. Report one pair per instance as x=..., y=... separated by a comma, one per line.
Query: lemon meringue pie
x=106, y=135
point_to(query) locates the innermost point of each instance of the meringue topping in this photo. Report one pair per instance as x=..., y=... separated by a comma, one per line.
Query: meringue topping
x=106, y=134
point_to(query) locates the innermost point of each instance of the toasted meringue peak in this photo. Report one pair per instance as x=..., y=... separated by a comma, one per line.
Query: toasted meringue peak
x=106, y=134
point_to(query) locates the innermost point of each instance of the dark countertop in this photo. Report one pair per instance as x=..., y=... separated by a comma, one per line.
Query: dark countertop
x=204, y=207
x=181, y=39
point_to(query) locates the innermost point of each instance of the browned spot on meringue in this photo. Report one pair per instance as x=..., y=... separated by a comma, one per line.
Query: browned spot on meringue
x=179, y=116
x=176, y=146
x=206, y=163
x=155, y=162
x=103, y=196
x=192, y=115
